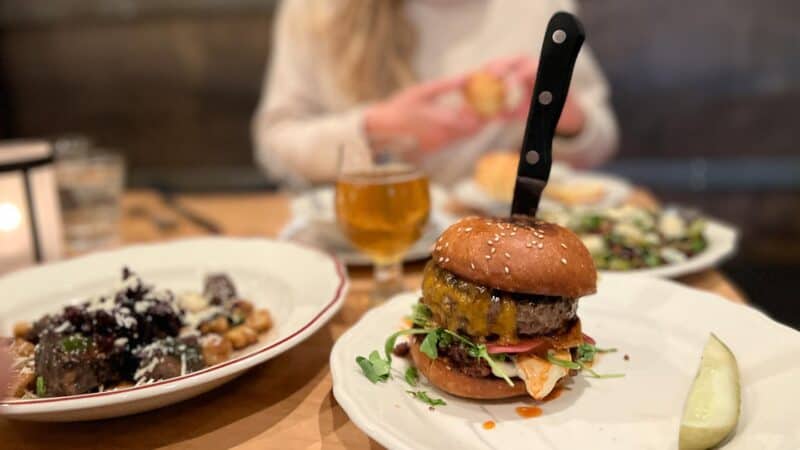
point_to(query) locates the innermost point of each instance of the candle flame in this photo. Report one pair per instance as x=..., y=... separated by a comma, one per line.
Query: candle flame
x=10, y=217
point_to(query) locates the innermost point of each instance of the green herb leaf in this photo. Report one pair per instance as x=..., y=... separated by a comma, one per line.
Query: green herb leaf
x=368, y=370
x=423, y=397
x=430, y=344
x=421, y=315
x=41, y=389
x=497, y=369
x=382, y=366
x=412, y=376
x=388, y=346
x=594, y=374
x=567, y=364
x=374, y=368
x=74, y=343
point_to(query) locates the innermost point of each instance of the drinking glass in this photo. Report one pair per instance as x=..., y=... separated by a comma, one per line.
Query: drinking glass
x=90, y=186
x=383, y=210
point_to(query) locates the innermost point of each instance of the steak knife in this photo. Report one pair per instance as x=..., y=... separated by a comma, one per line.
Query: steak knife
x=562, y=43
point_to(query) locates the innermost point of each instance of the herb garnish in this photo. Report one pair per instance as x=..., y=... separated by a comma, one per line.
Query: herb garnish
x=423, y=397
x=585, y=353
x=375, y=368
x=412, y=376
x=41, y=389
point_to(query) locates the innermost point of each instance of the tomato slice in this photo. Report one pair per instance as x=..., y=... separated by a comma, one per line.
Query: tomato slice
x=588, y=339
x=520, y=347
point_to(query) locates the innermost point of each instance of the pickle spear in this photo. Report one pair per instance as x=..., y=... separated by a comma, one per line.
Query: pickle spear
x=712, y=408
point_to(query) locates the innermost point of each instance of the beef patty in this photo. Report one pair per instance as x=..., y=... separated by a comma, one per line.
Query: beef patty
x=490, y=314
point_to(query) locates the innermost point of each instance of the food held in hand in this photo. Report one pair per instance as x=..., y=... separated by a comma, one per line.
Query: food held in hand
x=134, y=335
x=630, y=237
x=713, y=406
x=498, y=313
x=485, y=93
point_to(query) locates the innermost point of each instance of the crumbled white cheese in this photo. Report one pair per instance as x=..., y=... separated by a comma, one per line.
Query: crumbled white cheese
x=672, y=255
x=594, y=243
x=672, y=225
x=193, y=302
x=120, y=342
x=63, y=327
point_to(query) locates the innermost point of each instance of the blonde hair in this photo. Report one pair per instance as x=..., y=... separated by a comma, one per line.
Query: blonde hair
x=370, y=44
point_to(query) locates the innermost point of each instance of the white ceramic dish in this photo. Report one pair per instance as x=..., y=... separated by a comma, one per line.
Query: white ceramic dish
x=271, y=274
x=660, y=324
x=722, y=242
x=617, y=190
x=314, y=223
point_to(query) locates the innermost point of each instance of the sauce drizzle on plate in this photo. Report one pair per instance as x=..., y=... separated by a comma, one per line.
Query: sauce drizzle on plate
x=488, y=425
x=528, y=412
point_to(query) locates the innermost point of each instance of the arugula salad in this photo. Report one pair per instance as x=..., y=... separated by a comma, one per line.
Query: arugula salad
x=631, y=237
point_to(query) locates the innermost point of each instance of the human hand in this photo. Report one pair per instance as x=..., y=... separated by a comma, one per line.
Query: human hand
x=5, y=370
x=415, y=118
x=521, y=71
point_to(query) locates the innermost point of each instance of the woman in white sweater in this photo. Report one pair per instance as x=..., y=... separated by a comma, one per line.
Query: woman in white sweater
x=367, y=76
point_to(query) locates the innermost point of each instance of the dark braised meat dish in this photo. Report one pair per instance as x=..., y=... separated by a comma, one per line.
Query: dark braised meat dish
x=135, y=335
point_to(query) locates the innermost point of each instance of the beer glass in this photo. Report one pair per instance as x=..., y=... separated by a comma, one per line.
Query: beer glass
x=383, y=210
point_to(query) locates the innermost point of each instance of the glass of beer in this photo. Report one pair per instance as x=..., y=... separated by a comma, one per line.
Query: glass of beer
x=383, y=210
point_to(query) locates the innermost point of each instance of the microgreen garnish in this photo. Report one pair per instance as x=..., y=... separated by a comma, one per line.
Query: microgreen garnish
x=412, y=376
x=423, y=397
x=41, y=389
x=74, y=343
x=375, y=368
x=389, y=345
x=430, y=345
x=585, y=354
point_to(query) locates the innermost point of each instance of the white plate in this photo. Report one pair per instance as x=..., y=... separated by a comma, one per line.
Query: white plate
x=722, y=241
x=271, y=274
x=617, y=190
x=662, y=326
x=314, y=223
x=303, y=231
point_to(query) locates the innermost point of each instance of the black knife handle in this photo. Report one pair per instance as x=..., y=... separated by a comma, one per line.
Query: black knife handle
x=562, y=42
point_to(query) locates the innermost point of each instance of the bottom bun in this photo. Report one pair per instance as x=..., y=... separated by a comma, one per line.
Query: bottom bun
x=453, y=382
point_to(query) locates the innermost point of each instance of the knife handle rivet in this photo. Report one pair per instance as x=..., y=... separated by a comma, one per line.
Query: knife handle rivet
x=559, y=36
x=532, y=157
x=545, y=97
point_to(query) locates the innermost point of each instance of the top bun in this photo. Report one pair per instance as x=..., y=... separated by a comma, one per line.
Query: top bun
x=517, y=254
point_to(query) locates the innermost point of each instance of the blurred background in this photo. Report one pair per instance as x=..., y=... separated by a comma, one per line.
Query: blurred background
x=706, y=95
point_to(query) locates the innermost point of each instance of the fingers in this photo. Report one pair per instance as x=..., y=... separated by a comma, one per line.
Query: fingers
x=435, y=88
x=502, y=67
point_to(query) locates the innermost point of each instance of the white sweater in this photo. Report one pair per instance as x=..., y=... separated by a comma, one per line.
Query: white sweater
x=304, y=118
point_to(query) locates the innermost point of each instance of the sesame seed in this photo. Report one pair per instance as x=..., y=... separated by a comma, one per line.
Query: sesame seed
x=506, y=269
x=472, y=266
x=493, y=250
x=497, y=238
x=441, y=258
x=500, y=225
x=459, y=229
x=529, y=245
x=490, y=242
x=447, y=260
x=507, y=255
x=438, y=247
x=563, y=260
x=513, y=233
x=540, y=245
x=468, y=229
x=502, y=234
x=488, y=256
x=563, y=245
x=515, y=229
x=446, y=244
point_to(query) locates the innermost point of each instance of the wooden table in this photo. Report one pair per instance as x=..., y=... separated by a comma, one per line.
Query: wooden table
x=287, y=402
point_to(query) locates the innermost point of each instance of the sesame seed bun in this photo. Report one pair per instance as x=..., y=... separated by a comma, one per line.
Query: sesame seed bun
x=445, y=378
x=518, y=254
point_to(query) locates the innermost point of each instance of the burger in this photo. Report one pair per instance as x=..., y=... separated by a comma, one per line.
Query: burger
x=498, y=313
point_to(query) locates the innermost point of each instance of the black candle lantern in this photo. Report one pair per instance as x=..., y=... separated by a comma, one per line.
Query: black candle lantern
x=30, y=219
